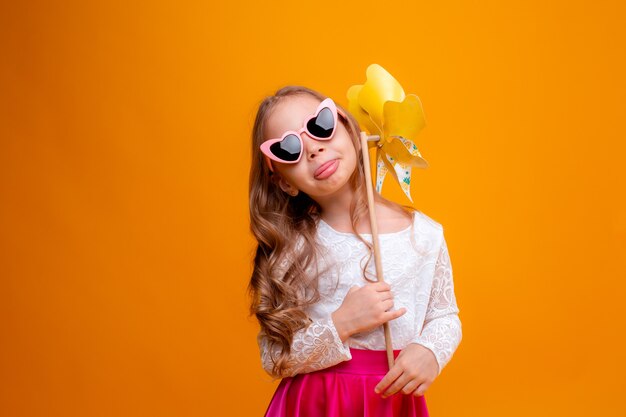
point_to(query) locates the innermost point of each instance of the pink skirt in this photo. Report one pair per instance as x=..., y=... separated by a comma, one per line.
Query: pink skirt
x=344, y=390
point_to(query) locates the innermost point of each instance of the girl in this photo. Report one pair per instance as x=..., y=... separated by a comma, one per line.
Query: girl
x=314, y=289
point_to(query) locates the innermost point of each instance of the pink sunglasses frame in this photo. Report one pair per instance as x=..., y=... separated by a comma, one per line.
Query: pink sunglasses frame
x=265, y=146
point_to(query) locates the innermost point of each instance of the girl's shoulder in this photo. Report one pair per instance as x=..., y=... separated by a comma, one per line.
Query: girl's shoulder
x=429, y=233
x=426, y=222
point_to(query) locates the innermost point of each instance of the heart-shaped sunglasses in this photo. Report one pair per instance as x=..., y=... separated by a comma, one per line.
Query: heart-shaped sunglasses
x=288, y=148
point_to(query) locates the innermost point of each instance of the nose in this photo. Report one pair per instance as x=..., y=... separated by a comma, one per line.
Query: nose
x=312, y=147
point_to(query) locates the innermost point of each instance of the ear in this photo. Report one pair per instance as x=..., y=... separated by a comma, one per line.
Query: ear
x=287, y=187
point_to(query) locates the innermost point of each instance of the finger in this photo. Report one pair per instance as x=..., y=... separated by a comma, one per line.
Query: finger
x=410, y=387
x=381, y=286
x=385, y=295
x=391, y=376
x=391, y=315
x=397, y=385
x=387, y=304
x=421, y=390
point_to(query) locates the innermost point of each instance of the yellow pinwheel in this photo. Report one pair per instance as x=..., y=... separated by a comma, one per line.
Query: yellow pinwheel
x=382, y=108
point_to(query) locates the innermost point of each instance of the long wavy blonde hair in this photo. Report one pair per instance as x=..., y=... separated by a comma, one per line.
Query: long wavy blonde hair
x=280, y=277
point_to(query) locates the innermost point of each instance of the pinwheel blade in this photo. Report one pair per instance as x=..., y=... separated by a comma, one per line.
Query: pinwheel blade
x=404, y=118
x=382, y=108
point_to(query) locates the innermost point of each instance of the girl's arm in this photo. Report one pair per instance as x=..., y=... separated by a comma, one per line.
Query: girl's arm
x=315, y=347
x=442, y=330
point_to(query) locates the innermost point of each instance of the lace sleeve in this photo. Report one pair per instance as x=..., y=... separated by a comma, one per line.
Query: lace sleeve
x=442, y=330
x=315, y=347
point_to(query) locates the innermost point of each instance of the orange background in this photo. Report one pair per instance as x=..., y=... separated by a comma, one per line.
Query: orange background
x=124, y=231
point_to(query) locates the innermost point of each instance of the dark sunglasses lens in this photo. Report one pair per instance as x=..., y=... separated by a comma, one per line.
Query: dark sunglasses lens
x=287, y=149
x=323, y=125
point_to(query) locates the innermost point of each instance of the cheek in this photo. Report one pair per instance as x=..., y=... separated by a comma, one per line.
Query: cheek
x=349, y=150
x=350, y=159
x=296, y=174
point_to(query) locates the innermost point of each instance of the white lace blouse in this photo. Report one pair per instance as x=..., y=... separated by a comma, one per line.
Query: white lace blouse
x=415, y=263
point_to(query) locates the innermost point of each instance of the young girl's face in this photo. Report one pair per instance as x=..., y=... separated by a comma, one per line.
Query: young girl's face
x=289, y=114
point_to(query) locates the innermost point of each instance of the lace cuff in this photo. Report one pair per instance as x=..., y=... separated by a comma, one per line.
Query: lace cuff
x=315, y=347
x=442, y=331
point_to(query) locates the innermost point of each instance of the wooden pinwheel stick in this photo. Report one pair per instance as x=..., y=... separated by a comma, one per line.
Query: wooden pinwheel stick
x=374, y=226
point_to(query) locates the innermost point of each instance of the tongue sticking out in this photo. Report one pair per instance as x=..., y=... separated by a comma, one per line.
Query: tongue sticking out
x=327, y=169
